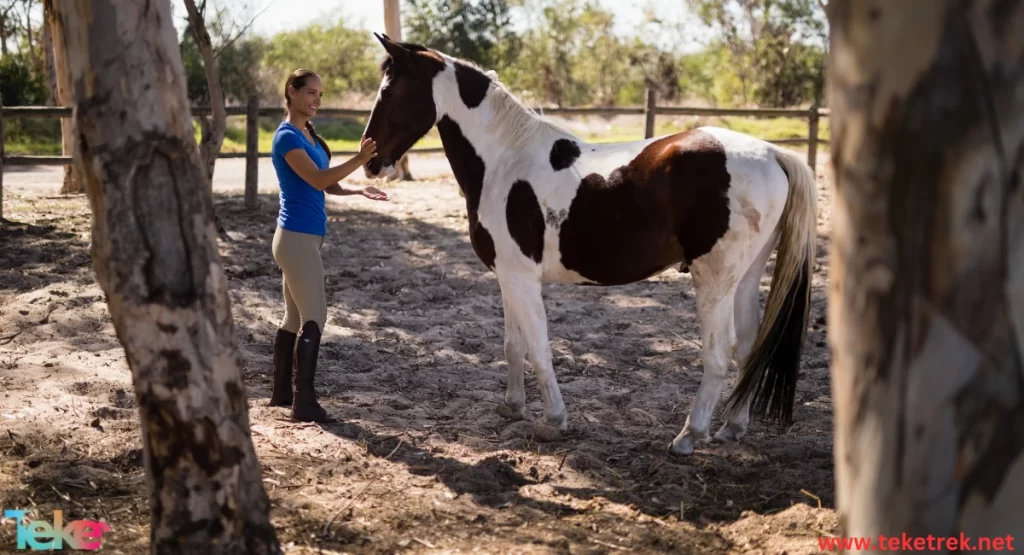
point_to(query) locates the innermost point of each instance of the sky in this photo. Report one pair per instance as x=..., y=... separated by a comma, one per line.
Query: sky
x=273, y=16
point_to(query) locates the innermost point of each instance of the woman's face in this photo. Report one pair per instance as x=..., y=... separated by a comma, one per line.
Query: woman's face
x=306, y=99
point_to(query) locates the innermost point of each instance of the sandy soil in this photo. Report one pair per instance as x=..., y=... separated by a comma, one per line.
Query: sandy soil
x=413, y=363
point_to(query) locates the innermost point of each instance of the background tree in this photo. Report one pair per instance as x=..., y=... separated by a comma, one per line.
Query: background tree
x=480, y=31
x=212, y=127
x=926, y=309
x=63, y=96
x=156, y=258
x=238, y=55
x=774, y=47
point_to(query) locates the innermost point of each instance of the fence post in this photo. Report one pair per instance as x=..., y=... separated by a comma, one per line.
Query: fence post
x=1, y=158
x=252, y=149
x=649, y=111
x=812, y=137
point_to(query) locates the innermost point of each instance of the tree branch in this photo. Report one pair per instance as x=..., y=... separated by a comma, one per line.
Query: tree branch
x=232, y=40
x=212, y=138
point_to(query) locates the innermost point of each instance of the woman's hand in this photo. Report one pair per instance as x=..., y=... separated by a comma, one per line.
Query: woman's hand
x=367, y=150
x=373, y=193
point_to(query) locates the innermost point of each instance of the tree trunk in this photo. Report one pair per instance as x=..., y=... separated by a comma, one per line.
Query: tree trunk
x=49, y=68
x=212, y=132
x=926, y=308
x=72, y=179
x=28, y=35
x=156, y=258
x=3, y=31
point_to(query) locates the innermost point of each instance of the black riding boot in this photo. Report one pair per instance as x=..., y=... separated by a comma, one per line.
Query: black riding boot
x=305, y=407
x=284, y=359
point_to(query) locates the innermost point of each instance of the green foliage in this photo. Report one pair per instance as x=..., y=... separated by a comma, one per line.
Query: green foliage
x=571, y=57
x=19, y=85
x=549, y=52
x=477, y=30
x=238, y=59
x=789, y=72
x=774, y=47
x=346, y=59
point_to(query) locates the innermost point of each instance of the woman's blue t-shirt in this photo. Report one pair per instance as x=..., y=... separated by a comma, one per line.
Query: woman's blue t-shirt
x=303, y=208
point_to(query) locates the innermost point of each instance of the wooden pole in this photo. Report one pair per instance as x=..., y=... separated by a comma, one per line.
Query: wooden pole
x=813, y=119
x=252, y=144
x=393, y=28
x=650, y=111
x=72, y=182
x=926, y=302
x=393, y=19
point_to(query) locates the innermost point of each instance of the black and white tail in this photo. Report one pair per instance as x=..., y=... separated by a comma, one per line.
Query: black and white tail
x=770, y=372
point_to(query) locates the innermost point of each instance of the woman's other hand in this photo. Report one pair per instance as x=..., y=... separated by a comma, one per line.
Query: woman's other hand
x=373, y=193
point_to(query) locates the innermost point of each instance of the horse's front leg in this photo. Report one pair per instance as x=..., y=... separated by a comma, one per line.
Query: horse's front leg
x=514, y=407
x=523, y=302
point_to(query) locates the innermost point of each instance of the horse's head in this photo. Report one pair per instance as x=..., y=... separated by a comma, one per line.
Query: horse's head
x=405, y=108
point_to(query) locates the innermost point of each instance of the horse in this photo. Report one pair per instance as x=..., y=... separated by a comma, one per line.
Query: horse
x=545, y=206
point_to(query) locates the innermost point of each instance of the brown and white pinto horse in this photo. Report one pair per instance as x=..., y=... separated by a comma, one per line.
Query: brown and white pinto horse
x=545, y=206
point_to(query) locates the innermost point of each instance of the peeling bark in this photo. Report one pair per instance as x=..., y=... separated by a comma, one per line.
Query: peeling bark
x=926, y=308
x=156, y=258
x=72, y=179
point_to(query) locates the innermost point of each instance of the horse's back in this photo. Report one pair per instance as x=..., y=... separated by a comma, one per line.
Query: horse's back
x=639, y=208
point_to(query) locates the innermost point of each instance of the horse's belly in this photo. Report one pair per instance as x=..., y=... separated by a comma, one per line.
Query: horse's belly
x=606, y=257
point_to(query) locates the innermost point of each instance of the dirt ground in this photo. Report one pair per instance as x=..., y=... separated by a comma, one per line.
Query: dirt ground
x=413, y=364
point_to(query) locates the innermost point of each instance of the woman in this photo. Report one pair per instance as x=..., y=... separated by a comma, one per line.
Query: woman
x=301, y=159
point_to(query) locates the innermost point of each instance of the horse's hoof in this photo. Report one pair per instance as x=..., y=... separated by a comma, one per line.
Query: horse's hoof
x=683, y=444
x=510, y=413
x=728, y=434
x=545, y=433
x=680, y=448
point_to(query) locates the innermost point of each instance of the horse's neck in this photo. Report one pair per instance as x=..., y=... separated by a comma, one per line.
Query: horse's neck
x=470, y=145
x=473, y=141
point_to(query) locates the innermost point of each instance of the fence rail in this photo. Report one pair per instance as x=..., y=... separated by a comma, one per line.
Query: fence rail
x=253, y=111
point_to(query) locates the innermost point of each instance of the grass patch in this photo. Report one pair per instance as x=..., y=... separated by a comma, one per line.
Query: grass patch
x=342, y=135
x=28, y=147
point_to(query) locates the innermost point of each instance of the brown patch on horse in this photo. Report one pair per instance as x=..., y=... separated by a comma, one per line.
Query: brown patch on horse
x=564, y=154
x=473, y=84
x=411, y=69
x=525, y=220
x=668, y=206
x=483, y=243
x=468, y=168
x=751, y=214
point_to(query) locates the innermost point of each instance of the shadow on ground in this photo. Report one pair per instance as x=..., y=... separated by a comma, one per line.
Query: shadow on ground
x=413, y=364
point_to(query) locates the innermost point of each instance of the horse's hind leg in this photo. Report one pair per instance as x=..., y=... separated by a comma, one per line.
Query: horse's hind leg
x=748, y=309
x=718, y=336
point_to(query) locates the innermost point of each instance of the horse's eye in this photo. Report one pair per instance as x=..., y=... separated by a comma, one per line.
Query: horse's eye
x=386, y=93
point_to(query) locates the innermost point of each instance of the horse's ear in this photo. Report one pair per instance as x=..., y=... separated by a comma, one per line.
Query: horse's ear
x=397, y=51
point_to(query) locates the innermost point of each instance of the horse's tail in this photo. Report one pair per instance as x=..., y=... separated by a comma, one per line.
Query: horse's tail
x=770, y=372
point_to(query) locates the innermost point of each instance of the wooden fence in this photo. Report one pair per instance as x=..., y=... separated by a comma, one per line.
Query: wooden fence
x=253, y=111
